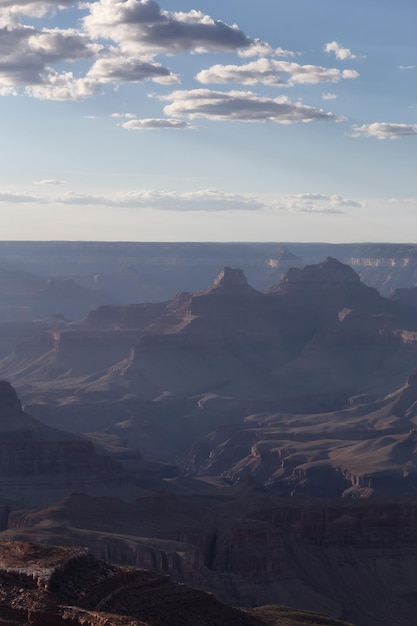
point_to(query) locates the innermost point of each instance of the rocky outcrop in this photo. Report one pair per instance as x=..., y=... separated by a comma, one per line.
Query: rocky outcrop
x=230, y=282
x=50, y=586
x=354, y=560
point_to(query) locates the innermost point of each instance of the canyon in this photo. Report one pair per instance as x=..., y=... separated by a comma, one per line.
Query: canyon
x=259, y=444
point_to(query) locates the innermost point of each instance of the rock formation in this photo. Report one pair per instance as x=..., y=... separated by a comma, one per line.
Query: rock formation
x=353, y=560
x=39, y=464
x=50, y=586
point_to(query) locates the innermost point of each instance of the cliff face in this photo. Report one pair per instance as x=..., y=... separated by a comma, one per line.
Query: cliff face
x=353, y=560
x=52, y=586
x=39, y=464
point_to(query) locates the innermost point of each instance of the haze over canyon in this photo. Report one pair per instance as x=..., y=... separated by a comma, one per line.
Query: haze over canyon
x=253, y=435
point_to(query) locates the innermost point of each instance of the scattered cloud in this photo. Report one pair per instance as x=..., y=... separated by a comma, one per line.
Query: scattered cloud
x=63, y=86
x=129, y=116
x=8, y=91
x=156, y=124
x=12, y=10
x=343, y=54
x=263, y=49
x=27, y=53
x=270, y=72
x=408, y=201
x=121, y=37
x=50, y=181
x=329, y=96
x=384, y=130
x=142, y=26
x=241, y=106
x=200, y=200
x=316, y=203
x=407, y=67
x=118, y=68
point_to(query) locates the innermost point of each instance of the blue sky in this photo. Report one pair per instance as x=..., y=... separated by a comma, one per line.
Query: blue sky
x=213, y=120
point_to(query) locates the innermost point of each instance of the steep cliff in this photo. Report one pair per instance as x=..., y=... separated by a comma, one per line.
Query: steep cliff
x=354, y=560
x=39, y=464
x=50, y=586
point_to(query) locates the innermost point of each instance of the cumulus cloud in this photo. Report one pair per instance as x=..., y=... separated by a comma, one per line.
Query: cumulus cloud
x=26, y=56
x=263, y=49
x=329, y=96
x=316, y=203
x=155, y=124
x=242, y=106
x=200, y=200
x=63, y=86
x=122, y=37
x=26, y=53
x=343, y=54
x=271, y=72
x=118, y=68
x=384, y=130
x=141, y=25
x=12, y=10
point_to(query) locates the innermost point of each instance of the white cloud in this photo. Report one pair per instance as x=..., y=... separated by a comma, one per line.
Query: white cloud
x=407, y=201
x=155, y=124
x=350, y=74
x=50, y=181
x=329, y=96
x=12, y=10
x=119, y=68
x=384, y=130
x=8, y=91
x=63, y=86
x=343, y=54
x=263, y=49
x=121, y=37
x=407, y=67
x=243, y=106
x=271, y=72
x=27, y=56
x=26, y=53
x=200, y=200
x=316, y=203
x=129, y=116
x=142, y=26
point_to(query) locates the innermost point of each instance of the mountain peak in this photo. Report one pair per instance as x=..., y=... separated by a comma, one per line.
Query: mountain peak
x=230, y=281
x=229, y=277
x=329, y=274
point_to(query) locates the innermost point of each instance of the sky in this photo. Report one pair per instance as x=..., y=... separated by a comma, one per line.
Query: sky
x=208, y=120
